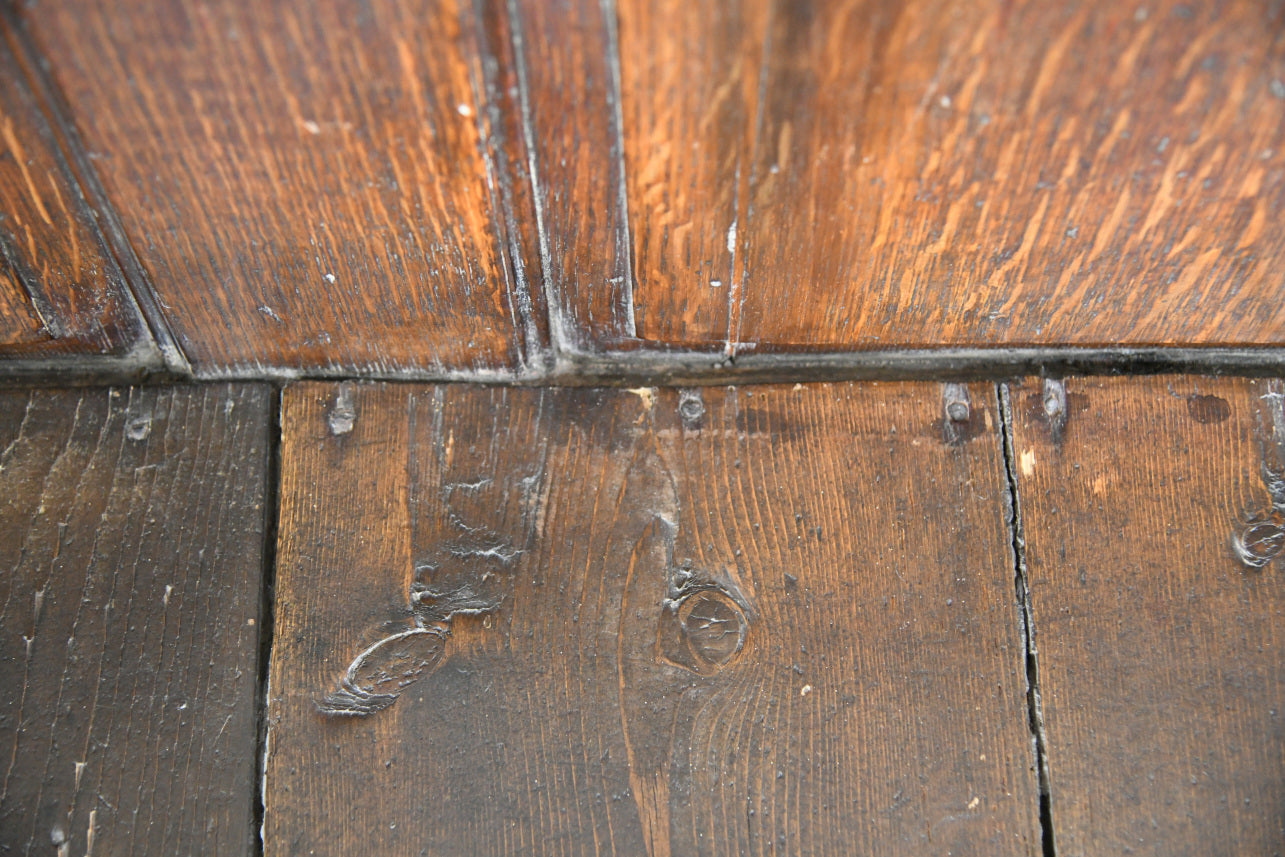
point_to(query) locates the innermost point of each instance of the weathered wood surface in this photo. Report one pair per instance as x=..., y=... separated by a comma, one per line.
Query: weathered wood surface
x=1161, y=651
x=759, y=621
x=308, y=187
x=131, y=543
x=61, y=292
x=839, y=174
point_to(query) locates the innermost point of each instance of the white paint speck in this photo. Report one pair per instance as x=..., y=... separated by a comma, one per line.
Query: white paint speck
x=311, y=127
x=1028, y=462
x=330, y=278
x=731, y=238
x=805, y=690
x=944, y=101
x=464, y=110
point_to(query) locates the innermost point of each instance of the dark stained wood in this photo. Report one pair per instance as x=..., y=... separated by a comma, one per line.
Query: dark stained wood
x=776, y=620
x=955, y=172
x=131, y=542
x=61, y=292
x=1161, y=652
x=308, y=187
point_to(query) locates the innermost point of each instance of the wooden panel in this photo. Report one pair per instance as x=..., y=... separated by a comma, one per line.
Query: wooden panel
x=308, y=188
x=691, y=80
x=777, y=620
x=61, y=291
x=571, y=109
x=955, y=172
x=1162, y=653
x=131, y=537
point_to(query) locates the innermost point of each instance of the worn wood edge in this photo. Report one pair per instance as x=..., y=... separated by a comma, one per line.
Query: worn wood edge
x=975, y=364
x=139, y=365
x=161, y=350
x=662, y=368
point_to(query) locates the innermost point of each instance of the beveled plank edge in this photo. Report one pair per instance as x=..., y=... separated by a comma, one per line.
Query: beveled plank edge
x=157, y=348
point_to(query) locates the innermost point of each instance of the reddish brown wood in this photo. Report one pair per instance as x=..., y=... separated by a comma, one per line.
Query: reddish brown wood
x=691, y=74
x=571, y=110
x=954, y=172
x=1161, y=651
x=524, y=611
x=131, y=557
x=61, y=292
x=308, y=187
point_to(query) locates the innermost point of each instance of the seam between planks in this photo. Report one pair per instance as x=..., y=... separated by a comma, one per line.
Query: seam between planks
x=267, y=613
x=1021, y=584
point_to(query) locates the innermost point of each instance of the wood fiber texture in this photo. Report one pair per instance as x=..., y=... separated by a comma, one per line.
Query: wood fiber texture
x=1161, y=652
x=571, y=110
x=857, y=174
x=309, y=187
x=61, y=292
x=131, y=543
x=777, y=620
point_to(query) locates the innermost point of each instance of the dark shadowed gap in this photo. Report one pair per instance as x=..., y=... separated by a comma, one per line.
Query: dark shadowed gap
x=1035, y=706
x=271, y=508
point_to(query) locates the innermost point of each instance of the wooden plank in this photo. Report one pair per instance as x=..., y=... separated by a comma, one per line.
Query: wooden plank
x=955, y=172
x=571, y=110
x=131, y=537
x=61, y=292
x=1161, y=652
x=691, y=74
x=578, y=621
x=308, y=188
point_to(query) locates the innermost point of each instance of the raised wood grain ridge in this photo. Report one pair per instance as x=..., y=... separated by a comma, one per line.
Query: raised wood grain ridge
x=776, y=620
x=1153, y=511
x=309, y=189
x=61, y=291
x=131, y=557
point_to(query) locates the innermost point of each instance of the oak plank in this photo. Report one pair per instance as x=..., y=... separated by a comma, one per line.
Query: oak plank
x=570, y=104
x=579, y=621
x=61, y=291
x=307, y=188
x=691, y=74
x=131, y=538
x=1161, y=652
x=955, y=173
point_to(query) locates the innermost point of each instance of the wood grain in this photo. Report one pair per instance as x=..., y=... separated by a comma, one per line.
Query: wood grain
x=61, y=292
x=308, y=188
x=955, y=172
x=571, y=109
x=769, y=620
x=1162, y=655
x=131, y=531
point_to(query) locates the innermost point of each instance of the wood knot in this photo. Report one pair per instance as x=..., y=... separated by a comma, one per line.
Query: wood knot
x=1260, y=543
x=703, y=630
